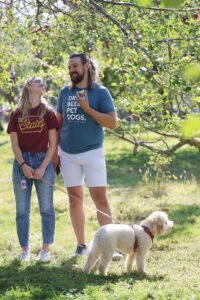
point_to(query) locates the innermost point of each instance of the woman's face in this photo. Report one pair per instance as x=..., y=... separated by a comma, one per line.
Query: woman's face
x=36, y=86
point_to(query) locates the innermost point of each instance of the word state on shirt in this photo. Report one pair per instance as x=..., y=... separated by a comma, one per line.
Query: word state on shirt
x=33, y=124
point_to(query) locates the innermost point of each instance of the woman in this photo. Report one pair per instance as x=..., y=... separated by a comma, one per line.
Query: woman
x=32, y=129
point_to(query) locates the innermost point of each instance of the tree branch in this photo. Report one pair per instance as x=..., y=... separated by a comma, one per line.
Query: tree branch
x=126, y=33
x=148, y=7
x=192, y=142
x=105, y=13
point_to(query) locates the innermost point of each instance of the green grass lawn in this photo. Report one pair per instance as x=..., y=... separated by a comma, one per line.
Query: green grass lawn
x=135, y=189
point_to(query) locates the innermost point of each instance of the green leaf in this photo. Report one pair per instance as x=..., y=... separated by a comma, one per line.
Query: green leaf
x=144, y=2
x=192, y=72
x=191, y=127
x=171, y=3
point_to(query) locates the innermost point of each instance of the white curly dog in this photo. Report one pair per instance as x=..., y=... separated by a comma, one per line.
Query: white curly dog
x=134, y=241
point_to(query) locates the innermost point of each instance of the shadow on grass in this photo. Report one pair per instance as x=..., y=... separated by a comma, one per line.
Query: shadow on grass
x=2, y=144
x=185, y=214
x=184, y=217
x=127, y=169
x=48, y=281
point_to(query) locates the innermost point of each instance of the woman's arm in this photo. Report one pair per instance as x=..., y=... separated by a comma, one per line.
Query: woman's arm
x=28, y=171
x=39, y=172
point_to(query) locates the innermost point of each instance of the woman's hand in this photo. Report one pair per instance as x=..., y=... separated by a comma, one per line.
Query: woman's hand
x=28, y=171
x=39, y=172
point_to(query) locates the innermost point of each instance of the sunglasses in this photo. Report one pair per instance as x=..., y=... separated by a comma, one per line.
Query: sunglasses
x=39, y=81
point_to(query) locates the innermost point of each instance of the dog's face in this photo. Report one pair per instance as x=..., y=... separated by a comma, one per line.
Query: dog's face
x=158, y=223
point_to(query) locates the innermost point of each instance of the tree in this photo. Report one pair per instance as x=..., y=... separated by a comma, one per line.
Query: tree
x=148, y=52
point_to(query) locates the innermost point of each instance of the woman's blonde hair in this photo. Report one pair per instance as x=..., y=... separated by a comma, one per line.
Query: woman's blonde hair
x=24, y=104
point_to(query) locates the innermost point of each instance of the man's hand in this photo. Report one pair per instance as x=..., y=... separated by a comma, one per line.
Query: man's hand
x=82, y=99
x=56, y=163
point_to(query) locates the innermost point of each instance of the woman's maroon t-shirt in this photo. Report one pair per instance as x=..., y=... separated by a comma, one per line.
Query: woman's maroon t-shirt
x=33, y=131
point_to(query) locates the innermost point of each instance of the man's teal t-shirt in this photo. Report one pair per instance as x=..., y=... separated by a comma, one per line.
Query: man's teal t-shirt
x=80, y=132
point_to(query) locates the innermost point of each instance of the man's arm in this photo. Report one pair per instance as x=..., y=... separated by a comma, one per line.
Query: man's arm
x=108, y=120
x=56, y=159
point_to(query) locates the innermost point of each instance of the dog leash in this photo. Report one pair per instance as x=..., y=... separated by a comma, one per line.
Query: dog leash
x=64, y=191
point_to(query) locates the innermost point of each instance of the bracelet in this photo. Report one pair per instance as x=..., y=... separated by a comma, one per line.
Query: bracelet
x=23, y=163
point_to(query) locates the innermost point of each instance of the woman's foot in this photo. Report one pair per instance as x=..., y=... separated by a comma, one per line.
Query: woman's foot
x=44, y=255
x=25, y=256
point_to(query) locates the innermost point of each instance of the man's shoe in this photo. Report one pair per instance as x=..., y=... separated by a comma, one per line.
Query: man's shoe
x=44, y=256
x=80, y=250
x=25, y=256
x=117, y=256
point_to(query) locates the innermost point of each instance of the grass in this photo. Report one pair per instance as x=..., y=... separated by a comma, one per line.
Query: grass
x=134, y=190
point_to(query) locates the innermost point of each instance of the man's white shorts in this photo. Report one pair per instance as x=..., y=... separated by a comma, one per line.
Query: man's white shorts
x=88, y=166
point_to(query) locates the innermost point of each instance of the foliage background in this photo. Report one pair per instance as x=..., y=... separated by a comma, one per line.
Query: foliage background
x=147, y=53
x=148, y=56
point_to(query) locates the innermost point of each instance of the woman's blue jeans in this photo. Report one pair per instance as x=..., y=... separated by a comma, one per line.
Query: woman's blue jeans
x=23, y=199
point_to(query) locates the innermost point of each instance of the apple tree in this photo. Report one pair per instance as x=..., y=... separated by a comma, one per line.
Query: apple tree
x=147, y=52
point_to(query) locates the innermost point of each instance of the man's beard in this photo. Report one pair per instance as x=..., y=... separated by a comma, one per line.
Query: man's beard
x=77, y=79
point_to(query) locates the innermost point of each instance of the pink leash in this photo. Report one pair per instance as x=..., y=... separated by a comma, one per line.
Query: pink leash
x=96, y=209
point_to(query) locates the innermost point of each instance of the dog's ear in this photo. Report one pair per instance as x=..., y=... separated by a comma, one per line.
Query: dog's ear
x=157, y=225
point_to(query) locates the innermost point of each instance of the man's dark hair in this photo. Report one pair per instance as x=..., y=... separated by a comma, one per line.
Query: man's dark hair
x=91, y=71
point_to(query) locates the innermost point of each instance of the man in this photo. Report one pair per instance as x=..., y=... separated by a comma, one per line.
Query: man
x=83, y=109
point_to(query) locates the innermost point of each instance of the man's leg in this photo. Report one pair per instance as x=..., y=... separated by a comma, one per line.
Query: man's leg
x=100, y=199
x=76, y=197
